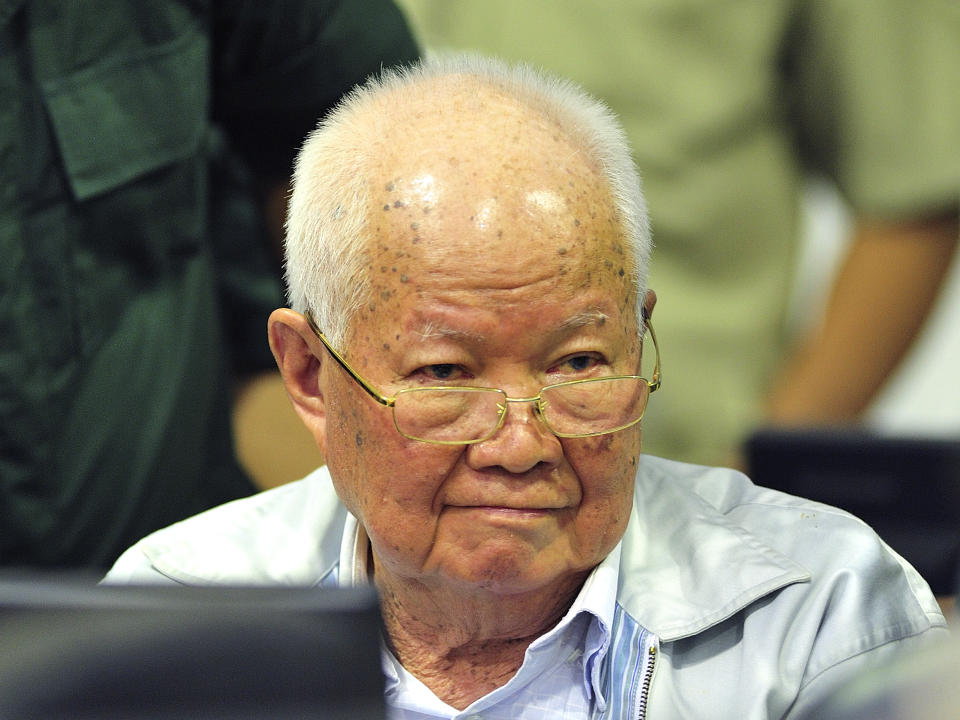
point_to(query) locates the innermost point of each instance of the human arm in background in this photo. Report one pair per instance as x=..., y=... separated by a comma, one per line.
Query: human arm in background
x=876, y=112
x=883, y=292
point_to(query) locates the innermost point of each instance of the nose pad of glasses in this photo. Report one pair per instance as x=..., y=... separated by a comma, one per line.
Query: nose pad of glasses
x=539, y=409
x=520, y=442
x=503, y=409
x=536, y=404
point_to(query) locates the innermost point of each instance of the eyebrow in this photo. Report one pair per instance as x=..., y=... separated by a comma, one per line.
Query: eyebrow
x=432, y=329
x=583, y=319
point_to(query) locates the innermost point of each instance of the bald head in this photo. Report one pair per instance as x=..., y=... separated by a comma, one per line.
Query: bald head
x=469, y=140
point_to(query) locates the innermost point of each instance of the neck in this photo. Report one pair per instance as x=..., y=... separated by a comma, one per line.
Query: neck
x=464, y=644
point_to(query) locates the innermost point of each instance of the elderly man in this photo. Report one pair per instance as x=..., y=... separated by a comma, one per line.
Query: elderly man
x=467, y=255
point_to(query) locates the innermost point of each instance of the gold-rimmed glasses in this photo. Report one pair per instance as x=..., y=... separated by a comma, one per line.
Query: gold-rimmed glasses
x=463, y=415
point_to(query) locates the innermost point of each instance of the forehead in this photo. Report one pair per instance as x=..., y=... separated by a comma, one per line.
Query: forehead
x=492, y=203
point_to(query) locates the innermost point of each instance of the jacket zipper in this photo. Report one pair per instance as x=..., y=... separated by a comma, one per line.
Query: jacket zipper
x=644, y=695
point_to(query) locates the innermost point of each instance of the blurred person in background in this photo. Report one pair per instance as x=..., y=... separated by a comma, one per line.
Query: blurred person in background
x=729, y=108
x=145, y=150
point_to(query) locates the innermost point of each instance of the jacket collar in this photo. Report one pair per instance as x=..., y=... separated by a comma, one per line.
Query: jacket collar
x=685, y=566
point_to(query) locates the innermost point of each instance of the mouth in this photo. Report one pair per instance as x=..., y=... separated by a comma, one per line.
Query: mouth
x=506, y=512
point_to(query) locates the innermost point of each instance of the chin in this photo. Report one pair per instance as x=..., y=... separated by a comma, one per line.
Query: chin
x=505, y=573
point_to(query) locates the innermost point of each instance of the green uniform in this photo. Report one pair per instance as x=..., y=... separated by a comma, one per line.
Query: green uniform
x=135, y=279
x=728, y=104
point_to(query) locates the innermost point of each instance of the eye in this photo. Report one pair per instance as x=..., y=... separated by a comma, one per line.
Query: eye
x=442, y=372
x=577, y=364
x=580, y=363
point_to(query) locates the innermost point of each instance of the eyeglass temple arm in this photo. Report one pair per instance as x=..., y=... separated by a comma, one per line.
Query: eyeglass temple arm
x=656, y=379
x=370, y=390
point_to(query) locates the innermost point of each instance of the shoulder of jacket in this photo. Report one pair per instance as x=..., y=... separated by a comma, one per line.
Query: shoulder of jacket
x=289, y=535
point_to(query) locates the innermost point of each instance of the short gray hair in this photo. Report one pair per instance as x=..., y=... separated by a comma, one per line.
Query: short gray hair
x=327, y=223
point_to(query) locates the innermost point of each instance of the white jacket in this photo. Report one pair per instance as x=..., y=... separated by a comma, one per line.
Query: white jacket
x=759, y=602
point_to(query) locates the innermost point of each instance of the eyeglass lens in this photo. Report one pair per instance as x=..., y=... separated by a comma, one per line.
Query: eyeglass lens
x=463, y=415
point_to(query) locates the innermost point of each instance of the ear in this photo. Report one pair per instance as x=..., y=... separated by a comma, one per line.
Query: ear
x=649, y=301
x=298, y=353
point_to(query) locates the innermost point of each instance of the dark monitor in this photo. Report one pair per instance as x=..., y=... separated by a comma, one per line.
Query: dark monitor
x=72, y=649
x=906, y=488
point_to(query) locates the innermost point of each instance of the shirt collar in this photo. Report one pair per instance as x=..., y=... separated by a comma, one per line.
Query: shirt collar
x=354, y=554
x=596, y=600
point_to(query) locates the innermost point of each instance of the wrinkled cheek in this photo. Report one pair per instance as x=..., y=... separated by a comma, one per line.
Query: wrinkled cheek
x=607, y=467
x=395, y=546
x=358, y=444
x=398, y=497
x=632, y=444
x=612, y=456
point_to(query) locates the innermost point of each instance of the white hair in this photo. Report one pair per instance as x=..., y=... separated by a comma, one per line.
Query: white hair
x=329, y=208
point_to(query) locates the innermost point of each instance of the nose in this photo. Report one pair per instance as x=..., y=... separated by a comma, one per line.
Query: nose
x=521, y=443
